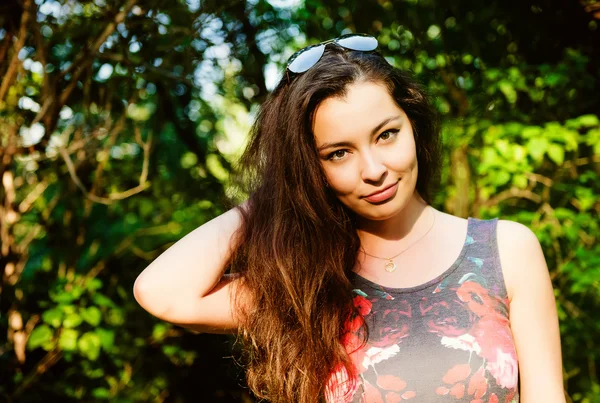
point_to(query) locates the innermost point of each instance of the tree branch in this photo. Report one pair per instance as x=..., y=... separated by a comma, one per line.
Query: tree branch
x=12, y=68
x=511, y=193
x=143, y=183
x=86, y=58
x=42, y=366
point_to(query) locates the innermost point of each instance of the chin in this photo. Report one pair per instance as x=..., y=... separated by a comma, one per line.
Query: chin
x=379, y=213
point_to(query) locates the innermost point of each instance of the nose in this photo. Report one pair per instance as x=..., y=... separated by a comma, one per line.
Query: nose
x=373, y=169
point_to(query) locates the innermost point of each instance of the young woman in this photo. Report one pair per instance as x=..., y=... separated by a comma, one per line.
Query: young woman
x=343, y=282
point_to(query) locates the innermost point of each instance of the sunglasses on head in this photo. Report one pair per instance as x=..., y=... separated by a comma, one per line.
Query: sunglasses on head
x=307, y=57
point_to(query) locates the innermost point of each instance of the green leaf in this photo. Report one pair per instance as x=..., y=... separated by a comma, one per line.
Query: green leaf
x=40, y=335
x=520, y=181
x=68, y=339
x=588, y=120
x=553, y=79
x=537, y=147
x=94, y=373
x=91, y=315
x=531, y=131
x=508, y=90
x=501, y=178
x=216, y=168
x=72, y=320
x=102, y=300
x=503, y=146
x=159, y=331
x=69, y=309
x=586, y=197
x=563, y=213
x=89, y=345
x=53, y=317
x=107, y=338
x=115, y=317
x=170, y=350
x=189, y=160
x=101, y=393
x=62, y=297
x=94, y=284
x=556, y=153
x=519, y=152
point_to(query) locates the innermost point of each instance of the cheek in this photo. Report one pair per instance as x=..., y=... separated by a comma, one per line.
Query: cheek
x=404, y=159
x=341, y=180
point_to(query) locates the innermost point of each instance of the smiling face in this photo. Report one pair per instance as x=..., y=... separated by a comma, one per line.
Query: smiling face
x=366, y=145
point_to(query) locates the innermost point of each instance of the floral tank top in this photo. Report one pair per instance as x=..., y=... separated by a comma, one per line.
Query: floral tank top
x=448, y=340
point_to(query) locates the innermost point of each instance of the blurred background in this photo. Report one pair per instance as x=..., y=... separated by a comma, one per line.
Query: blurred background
x=120, y=121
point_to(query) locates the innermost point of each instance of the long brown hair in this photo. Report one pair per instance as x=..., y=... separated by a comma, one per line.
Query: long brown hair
x=298, y=244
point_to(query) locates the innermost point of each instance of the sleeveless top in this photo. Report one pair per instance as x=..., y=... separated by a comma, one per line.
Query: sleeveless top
x=447, y=340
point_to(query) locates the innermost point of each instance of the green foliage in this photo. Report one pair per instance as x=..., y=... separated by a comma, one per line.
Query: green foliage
x=138, y=135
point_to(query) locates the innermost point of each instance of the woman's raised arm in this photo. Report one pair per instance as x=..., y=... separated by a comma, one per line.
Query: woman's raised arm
x=185, y=285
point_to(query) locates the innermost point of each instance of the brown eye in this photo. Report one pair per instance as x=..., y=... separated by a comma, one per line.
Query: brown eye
x=336, y=155
x=388, y=134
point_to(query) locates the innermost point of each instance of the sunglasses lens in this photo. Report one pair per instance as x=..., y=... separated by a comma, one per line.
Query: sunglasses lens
x=306, y=59
x=358, y=42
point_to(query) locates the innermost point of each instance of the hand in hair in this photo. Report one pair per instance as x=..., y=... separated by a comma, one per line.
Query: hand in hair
x=186, y=286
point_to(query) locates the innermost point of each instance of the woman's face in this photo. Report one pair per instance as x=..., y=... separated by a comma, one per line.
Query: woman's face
x=367, y=149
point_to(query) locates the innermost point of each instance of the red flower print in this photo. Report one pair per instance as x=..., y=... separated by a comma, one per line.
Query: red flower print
x=493, y=398
x=458, y=390
x=477, y=298
x=397, y=325
x=457, y=373
x=442, y=390
x=510, y=395
x=372, y=394
x=455, y=377
x=392, y=397
x=364, y=305
x=409, y=394
x=390, y=382
x=478, y=384
x=494, y=336
x=447, y=318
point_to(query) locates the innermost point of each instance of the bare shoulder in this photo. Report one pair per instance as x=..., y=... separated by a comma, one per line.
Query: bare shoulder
x=513, y=228
x=533, y=313
x=521, y=256
x=452, y=223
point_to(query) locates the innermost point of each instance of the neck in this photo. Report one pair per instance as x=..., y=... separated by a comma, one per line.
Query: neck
x=412, y=221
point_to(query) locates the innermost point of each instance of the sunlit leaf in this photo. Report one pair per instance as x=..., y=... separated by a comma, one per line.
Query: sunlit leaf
x=40, y=335
x=107, y=338
x=72, y=320
x=556, y=153
x=53, y=317
x=91, y=315
x=89, y=345
x=68, y=339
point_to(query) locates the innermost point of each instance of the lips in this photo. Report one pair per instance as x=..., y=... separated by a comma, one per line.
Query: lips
x=383, y=194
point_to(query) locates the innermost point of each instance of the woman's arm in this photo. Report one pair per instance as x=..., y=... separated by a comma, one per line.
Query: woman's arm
x=185, y=284
x=533, y=316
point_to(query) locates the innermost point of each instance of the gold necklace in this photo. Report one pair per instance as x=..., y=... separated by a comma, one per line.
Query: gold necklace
x=389, y=265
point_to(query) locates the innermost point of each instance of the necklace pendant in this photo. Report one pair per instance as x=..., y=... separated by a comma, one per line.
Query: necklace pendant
x=390, y=266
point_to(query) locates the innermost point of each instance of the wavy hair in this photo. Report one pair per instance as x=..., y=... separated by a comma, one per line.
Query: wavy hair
x=298, y=244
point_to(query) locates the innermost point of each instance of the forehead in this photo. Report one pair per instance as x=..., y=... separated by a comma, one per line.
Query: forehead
x=365, y=105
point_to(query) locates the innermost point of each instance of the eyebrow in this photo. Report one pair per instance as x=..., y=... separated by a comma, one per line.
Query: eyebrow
x=373, y=132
